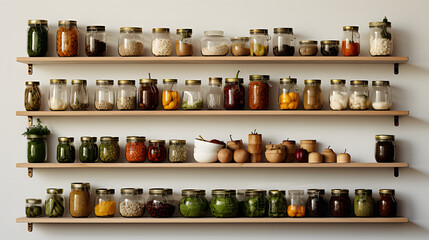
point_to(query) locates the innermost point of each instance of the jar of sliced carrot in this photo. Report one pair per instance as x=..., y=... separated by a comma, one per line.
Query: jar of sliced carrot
x=135, y=150
x=351, y=39
x=288, y=94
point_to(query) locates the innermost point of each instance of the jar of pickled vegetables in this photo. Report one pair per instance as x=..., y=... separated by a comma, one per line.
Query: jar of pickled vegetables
x=259, y=42
x=126, y=95
x=215, y=95
x=158, y=204
x=351, y=39
x=66, y=150
x=177, y=151
x=32, y=96
x=33, y=207
x=170, y=95
x=340, y=204
x=79, y=95
x=109, y=149
x=297, y=206
x=131, y=203
x=359, y=95
x=381, y=95
x=135, y=150
x=363, y=203
x=288, y=94
x=37, y=149
x=316, y=204
x=192, y=95
x=387, y=204
x=54, y=202
x=104, y=95
x=277, y=204
x=255, y=203
x=88, y=150
x=234, y=94
x=37, y=38
x=58, y=100
x=313, y=96
x=338, y=95
x=104, y=202
x=259, y=92
x=80, y=200
x=193, y=203
x=184, y=45
x=67, y=39
x=224, y=203
x=148, y=94
x=157, y=151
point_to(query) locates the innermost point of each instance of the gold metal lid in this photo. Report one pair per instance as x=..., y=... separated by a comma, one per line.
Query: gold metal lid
x=139, y=191
x=259, y=77
x=177, y=141
x=193, y=82
x=310, y=81
x=336, y=42
x=387, y=191
x=126, y=82
x=105, y=191
x=157, y=191
x=88, y=186
x=95, y=28
x=86, y=138
x=258, y=31
x=38, y=22
x=277, y=192
x=65, y=139
x=349, y=28
x=129, y=191
x=385, y=137
x=339, y=191
x=283, y=30
x=33, y=136
x=131, y=29
x=78, y=186
x=160, y=30
x=338, y=81
x=79, y=81
x=230, y=192
x=33, y=201
x=256, y=192
x=67, y=22
x=136, y=138
x=169, y=80
x=243, y=191
x=190, y=192
x=379, y=24
x=363, y=191
x=307, y=42
x=54, y=190
x=288, y=80
x=320, y=191
x=147, y=80
x=32, y=83
x=104, y=82
x=215, y=80
x=61, y=81
x=380, y=83
x=244, y=39
x=359, y=83
x=184, y=31
x=233, y=80
x=109, y=138
x=156, y=141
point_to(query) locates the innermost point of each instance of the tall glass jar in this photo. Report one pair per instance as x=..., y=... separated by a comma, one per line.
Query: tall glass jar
x=37, y=149
x=214, y=44
x=79, y=95
x=351, y=41
x=297, y=205
x=363, y=203
x=126, y=95
x=95, y=41
x=381, y=95
x=224, y=203
x=177, y=151
x=255, y=203
x=58, y=95
x=240, y=46
x=338, y=95
x=288, y=94
x=131, y=203
x=184, y=45
x=135, y=150
x=340, y=204
x=380, y=38
x=385, y=148
x=283, y=42
x=277, y=204
x=109, y=149
x=158, y=204
x=170, y=95
x=148, y=94
x=316, y=204
x=33, y=207
x=192, y=98
x=104, y=95
x=79, y=200
x=313, y=96
x=193, y=203
x=104, y=202
x=54, y=202
x=88, y=150
x=157, y=151
x=37, y=38
x=215, y=95
x=308, y=48
x=359, y=95
x=259, y=42
x=32, y=96
x=234, y=94
x=174, y=202
x=67, y=39
x=387, y=204
x=65, y=150
x=330, y=47
x=259, y=92
x=162, y=43
x=130, y=42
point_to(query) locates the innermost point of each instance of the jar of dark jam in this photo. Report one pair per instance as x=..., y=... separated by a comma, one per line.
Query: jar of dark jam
x=387, y=205
x=157, y=151
x=316, y=204
x=385, y=148
x=234, y=94
x=148, y=94
x=340, y=204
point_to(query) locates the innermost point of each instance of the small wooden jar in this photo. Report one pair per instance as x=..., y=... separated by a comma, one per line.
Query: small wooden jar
x=290, y=149
x=309, y=145
x=255, y=147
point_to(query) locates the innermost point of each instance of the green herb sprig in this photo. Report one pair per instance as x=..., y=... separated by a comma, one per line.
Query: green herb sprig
x=38, y=130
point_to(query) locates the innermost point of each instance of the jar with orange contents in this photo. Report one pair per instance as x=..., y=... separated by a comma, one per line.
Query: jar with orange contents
x=297, y=206
x=288, y=94
x=135, y=150
x=170, y=95
x=351, y=39
x=67, y=38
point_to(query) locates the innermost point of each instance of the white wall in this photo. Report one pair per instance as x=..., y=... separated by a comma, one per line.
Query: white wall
x=311, y=19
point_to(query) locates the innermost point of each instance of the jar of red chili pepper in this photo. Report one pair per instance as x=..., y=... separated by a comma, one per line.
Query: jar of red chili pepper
x=351, y=39
x=259, y=92
x=148, y=94
x=234, y=94
x=158, y=205
x=157, y=151
x=387, y=204
x=340, y=204
x=135, y=150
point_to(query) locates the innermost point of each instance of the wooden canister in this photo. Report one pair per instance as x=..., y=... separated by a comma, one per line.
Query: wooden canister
x=309, y=145
x=255, y=147
x=290, y=149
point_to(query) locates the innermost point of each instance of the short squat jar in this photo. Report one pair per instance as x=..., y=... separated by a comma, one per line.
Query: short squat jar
x=157, y=151
x=255, y=203
x=170, y=94
x=385, y=148
x=288, y=94
x=259, y=92
x=359, y=95
x=277, y=204
x=158, y=204
x=148, y=94
x=193, y=203
x=380, y=38
x=184, y=45
x=130, y=42
x=214, y=44
x=308, y=48
x=330, y=47
x=79, y=95
x=240, y=46
x=37, y=149
x=32, y=96
x=104, y=95
x=177, y=151
x=95, y=41
x=338, y=95
x=88, y=150
x=316, y=204
x=363, y=203
x=135, y=150
x=67, y=39
x=283, y=42
x=33, y=207
x=80, y=200
x=37, y=38
x=126, y=95
x=192, y=95
x=381, y=95
x=351, y=41
x=162, y=43
x=259, y=42
x=215, y=95
x=109, y=149
x=65, y=150
x=234, y=94
x=104, y=202
x=313, y=96
x=131, y=203
x=340, y=204
x=54, y=202
x=224, y=203
x=387, y=204
x=58, y=100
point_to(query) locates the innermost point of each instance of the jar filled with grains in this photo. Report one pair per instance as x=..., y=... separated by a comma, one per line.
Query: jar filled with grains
x=259, y=92
x=380, y=38
x=340, y=204
x=148, y=94
x=177, y=151
x=184, y=45
x=58, y=95
x=259, y=42
x=67, y=39
x=104, y=95
x=130, y=41
x=363, y=203
x=65, y=150
x=283, y=42
x=338, y=95
x=381, y=95
x=104, y=202
x=215, y=95
x=387, y=204
x=240, y=46
x=131, y=203
x=214, y=44
x=37, y=38
x=308, y=48
x=80, y=200
x=109, y=149
x=95, y=41
x=135, y=150
x=32, y=96
x=313, y=96
x=359, y=95
x=162, y=44
x=126, y=95
x=79, y=95
x=88, y=150
x=170, y=95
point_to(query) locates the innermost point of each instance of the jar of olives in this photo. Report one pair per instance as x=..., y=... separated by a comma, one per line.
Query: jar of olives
x=385, y=148
x=288, y=94
x=158, y=204
x=177, y=151
x=387, y=204
x=33, y=207
x=32, y=96
x=54, y=202
x=109, y=149
x=148, y=94
x=255, y=203
x=192, y=95
x=88, y=150
x=193, y=203
x=234, y=94
x=338, y=95
x=359, y=95
x=259, y=92
x=340, y=204
x=363, y=203
x=313, y=96
x=224, y=203
x=157, y=151
x=37, y=149
x=215, y=96
x=316, y=204
x=66, y=150
x=259, y=42
x=277, y=204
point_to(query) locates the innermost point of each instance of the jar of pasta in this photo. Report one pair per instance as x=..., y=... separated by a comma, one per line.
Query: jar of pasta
x=104, y=202
x=67, y=38
x=259, y=92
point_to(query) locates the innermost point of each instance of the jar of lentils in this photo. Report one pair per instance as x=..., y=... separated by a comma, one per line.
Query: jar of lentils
x=126, y=96
x=130, y=41
x=135, y=150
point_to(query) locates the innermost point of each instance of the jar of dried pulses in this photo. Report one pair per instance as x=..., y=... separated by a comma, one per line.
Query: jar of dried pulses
x=131, y=203
x=363, y=203
x=67, y=39
x=37, y=38
x=157, y=151
x=351, y=39
x=340, y=204
x=381, y=95
x=234, y=94
x=104, y=202
x=330, y=47
x=297, y=206
x=65, y=150
x=308, y=48
x=170, y=95
x=88, y=150
x=158, y=204
x=37, y=149
x=288, y=94
x=259, y=42
x=148, y=94
x=184, y=45
x=104, y=95
x=109, y=149
x=277, y=204
x=80, y=200
x=215, y=95
x=135, y=150
x=316, y=204
x=259, y=92
x=240, y=46
x=32, y=96
x=338, y=95
x=313, y=96
x=192, y=95
x=214, y=44
x=126, y=96
x=283, y=42
x=162, y=44
x=177, y=151
x=58, y=95
x=130, y=41
x=54, y=202
x=79, y=95
x=387, y=204
x=33, y=207
x=359, y=95
x=95, y=41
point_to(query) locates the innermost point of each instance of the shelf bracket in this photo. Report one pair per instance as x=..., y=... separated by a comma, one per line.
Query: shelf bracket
x=396, y=68
x=396, y=172
x=30, y=227
x=30, y=121
x=396, y=121
x=30, y=172
x=30, y=69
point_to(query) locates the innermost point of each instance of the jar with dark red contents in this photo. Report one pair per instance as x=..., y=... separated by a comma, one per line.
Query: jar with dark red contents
x=340, y=204
x=158, y=204
x=148, y=94
x=259, y=92
x=234, y=94
x=387, y=204
x=316, y=204
x=157, y=151
x=135, y=150
x=385, y=148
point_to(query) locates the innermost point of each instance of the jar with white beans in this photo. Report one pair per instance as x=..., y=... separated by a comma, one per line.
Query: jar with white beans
x=338, y=96
x=380, y=38
x=131, y=203
x=359, y=95
x=162, y=43
x=381, y=95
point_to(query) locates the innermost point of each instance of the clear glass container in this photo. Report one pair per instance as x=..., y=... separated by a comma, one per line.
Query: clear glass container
x=80, y=200
x=177, y=151
x=32, y=96
x=58, y=100
x=380, y=38
x=359, y=95
x=381, y=95
x=308, y=48
x=130, y=41
x=33, y=207
x=316, y=204
x=234, y=94
x=338, y=95
x=131, y=203
x=162, y=43
x=88, y=150
x=340, y=204
x=79, y=95
x=193, y=203
x=192, y=98
x=170, y=95
x=313, y=96
x=387, y=204
x=54, y=202
x=65, y=150
x=148, y=94
x=157, y=151
x=215, y=95
x=259, y=92
x=385, y=148
x=95, y=41
x=214, y=44
x=104, y=95
x=224, y=203
x=297, y=205
x=37, y=38
x=158, y=204
x=37, y=149
x=174, y=202
x=67, y=39
x=277, y=204
x=135, y=150
x=240, y=46
x=283, y=42
x=288, y=94
x=126, y=95
x=330, y=47
x=104, y=202
x=351, y=41
x=184, y=46
x=109, y=149
x=363, y=203
x=255, y=203
x=259, y=42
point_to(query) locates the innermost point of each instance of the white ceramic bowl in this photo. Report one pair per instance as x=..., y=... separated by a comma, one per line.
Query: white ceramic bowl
x=198, y=150
x=205, y=157
x=204, y=146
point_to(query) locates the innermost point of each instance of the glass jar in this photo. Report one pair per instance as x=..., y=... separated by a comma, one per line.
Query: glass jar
x=215, y=95
x=297, y=206
x=126, y=96
x=338, y=95
x=37, y=38
x=316, y=204
x=162, y=44
x=157, y=151
x=37, y=149
x=131, y=203
x=214, y=44
x=330, y=47
x=158, y=204
x=177, y=151
x=170, y=95
x=234, y=94
x=193, y=203
x=79, y=95
x=54, y=202
x=363, y=203
x=277, y=204
x=192, y=98
x=255, y=203
x=308, y=48
x=340, y=204
x=380, y=38
x=58, y=95
x=351, y=39
x=135, y=150
x=259, y=42
x=184, y=45
x=33, y=207
x=283, y=42
x=109, y=149
x=104, y=202
x=67, y=39
x=313, y=96
x=130, y=42
x=65, y=150
x=387, y=204
x=80, y=200
x=381, y=95
x=32, y=96
x=174, y=202
x=224, y=203
x=240, y=46
x=359, y=95
x=104, y=95
x=259, y=92
x=385, y=148
x=95, y=41
x=288, y=94
x=148, y=94
x=88, y=150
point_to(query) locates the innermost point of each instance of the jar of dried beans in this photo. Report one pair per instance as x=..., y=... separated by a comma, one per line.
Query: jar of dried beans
x=363, y=203
x=65, y=150
x=288, y=94
x=234, y=94
x=95, y=41
x=67, y=39
x=283, y=42
x=32, y=96
x=135, y=150
x=162, y=44
x=170, y=95
x=177, y=151
x=104, y=202
x=88, y=150
x=37, y=38
x=359, y=95
x=109, y=149
x=58, y=95
x=104, y=95
x=259, y=42
x=259, y=92
x=316, y=204
x=157, y=151
x=131, y=203
x=387, y=204
x=158, y=204
x=313, y=96
x=340, y=204
x=148, y=94
x=79, y=95
x=184, y=45
x=126, y=95
x=80, y=200
x=215, y=95
x=351, y=39
x=130, y=41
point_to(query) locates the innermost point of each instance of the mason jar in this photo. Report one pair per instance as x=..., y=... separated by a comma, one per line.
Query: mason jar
x=79, y=95
x=380, y=38
x=259, y=92
x=338, y=95
x=32, y=96
x=214, y=44
x=363, y=203
x=255, y=203
x=259, y=42
x=288, y=94
x=340, y=204
x=104, y=95
x=33, y=207
x=58, y=100
x=157, y=152
x=162, y=43
x=308, y=48
x=95, y=41
x=131, y=203
x=126, y=95
x=385, y=148
x=109, y=149
x=184, y=45
x=387, y=204
x=316, y=205
x=381, y=95
x=283, y=42
x=277, y=204
x=130, y=41
x=351, y=41
x=359, y=95
x=158, y=204
x=330, y=47
x=170, y=95
x=80, y=200
x=192, y=98
x=177, y=151
x=297, y=205
x=135, y=150
x=215, y=94
x=148, y=94
x=104, y=202
x=65, y=150
x=240, y=46
x=37, y=38
x=313, y=96
x=88, y=150
x=224, y=203
x=54, y=202
x=67, y=39
x=193, y=203
x=37, y=149
x=234, y=94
